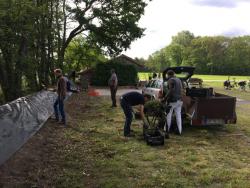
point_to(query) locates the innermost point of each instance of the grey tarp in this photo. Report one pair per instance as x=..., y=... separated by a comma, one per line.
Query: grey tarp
x=21, y=119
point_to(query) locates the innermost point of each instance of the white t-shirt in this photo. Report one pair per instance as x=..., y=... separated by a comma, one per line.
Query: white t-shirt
x=113, y=79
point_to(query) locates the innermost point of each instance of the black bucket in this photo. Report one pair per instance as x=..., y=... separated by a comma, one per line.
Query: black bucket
x=153, y=137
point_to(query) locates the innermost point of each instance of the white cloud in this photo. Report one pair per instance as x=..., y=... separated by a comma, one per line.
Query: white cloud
x=233, y=32
x=216, y=3
x=219, y=3
x=165, y=18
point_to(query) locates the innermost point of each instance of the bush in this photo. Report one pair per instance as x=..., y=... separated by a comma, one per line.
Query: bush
x=154, y=108
x=126, y=73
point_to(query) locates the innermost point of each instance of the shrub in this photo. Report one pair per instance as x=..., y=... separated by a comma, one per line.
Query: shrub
x=154, y=108
x=126, y=73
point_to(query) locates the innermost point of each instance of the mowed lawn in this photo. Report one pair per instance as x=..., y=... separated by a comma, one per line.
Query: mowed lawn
x=92, y=153
x=221, y=78
x=216, y=82
x=206, y=78
x=217, y=156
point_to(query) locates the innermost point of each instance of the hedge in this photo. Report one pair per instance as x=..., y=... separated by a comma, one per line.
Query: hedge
x=126, y=74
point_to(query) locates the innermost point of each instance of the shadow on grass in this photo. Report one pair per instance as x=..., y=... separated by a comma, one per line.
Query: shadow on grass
x=213, y=129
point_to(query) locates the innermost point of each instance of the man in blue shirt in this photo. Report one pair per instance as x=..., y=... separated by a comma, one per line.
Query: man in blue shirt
x=127, y=101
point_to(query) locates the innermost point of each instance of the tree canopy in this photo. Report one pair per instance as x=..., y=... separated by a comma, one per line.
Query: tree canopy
x=35, y=35
x=81, y=55
x=210, y=55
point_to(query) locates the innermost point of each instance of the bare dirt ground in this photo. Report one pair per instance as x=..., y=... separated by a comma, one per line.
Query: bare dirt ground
x=39, y=152
x=39, y=161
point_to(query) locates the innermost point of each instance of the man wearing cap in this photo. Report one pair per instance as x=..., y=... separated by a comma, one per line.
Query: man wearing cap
x=61, y=92
x=174, y=99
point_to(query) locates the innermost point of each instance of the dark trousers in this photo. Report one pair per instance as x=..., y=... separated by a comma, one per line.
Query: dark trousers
x=113, y=91
x=59, y=103
x=127, y=109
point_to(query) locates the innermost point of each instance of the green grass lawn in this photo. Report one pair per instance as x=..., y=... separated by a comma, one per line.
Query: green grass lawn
x=236, y=92
x=217, y=156
x=144, y=75
x=220, y=78
x=213, y=78
x=92, y=153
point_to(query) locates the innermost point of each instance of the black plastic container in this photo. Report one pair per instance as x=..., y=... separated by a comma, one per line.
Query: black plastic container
x=199, y=92
x=153, y=137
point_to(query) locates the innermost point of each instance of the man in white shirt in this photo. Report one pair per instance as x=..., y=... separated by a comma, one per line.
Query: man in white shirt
x=174, y=99
x=113, y=84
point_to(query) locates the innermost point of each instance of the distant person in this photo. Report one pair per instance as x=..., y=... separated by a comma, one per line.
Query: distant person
x=113, y=84
x=154, y=76
x=242, y=85
x=174, y=100
x=159, y=75
x=127, y=101
x=227, y=84
x=148, y=81
x=163, y=90
x=61, y=92
x=84, y=83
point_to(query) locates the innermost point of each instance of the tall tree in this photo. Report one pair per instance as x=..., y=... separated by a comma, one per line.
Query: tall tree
x=210, y=55
x=183, y=38
x=14, y=33
x=35, y=34
x=80, y=55
x=175, y=54
x=178, y=49
x=111, y=24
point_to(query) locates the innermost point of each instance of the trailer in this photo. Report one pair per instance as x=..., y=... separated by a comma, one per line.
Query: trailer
x=203, y=106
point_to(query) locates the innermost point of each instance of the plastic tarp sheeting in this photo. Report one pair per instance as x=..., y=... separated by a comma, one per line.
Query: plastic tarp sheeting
x=21, y=119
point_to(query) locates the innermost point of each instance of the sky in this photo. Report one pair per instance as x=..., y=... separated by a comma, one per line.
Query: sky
x=165, y=18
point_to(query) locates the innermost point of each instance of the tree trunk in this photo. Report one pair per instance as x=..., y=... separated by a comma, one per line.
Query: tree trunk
x=58, y=33
x=11, y=71
x=50, y=64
